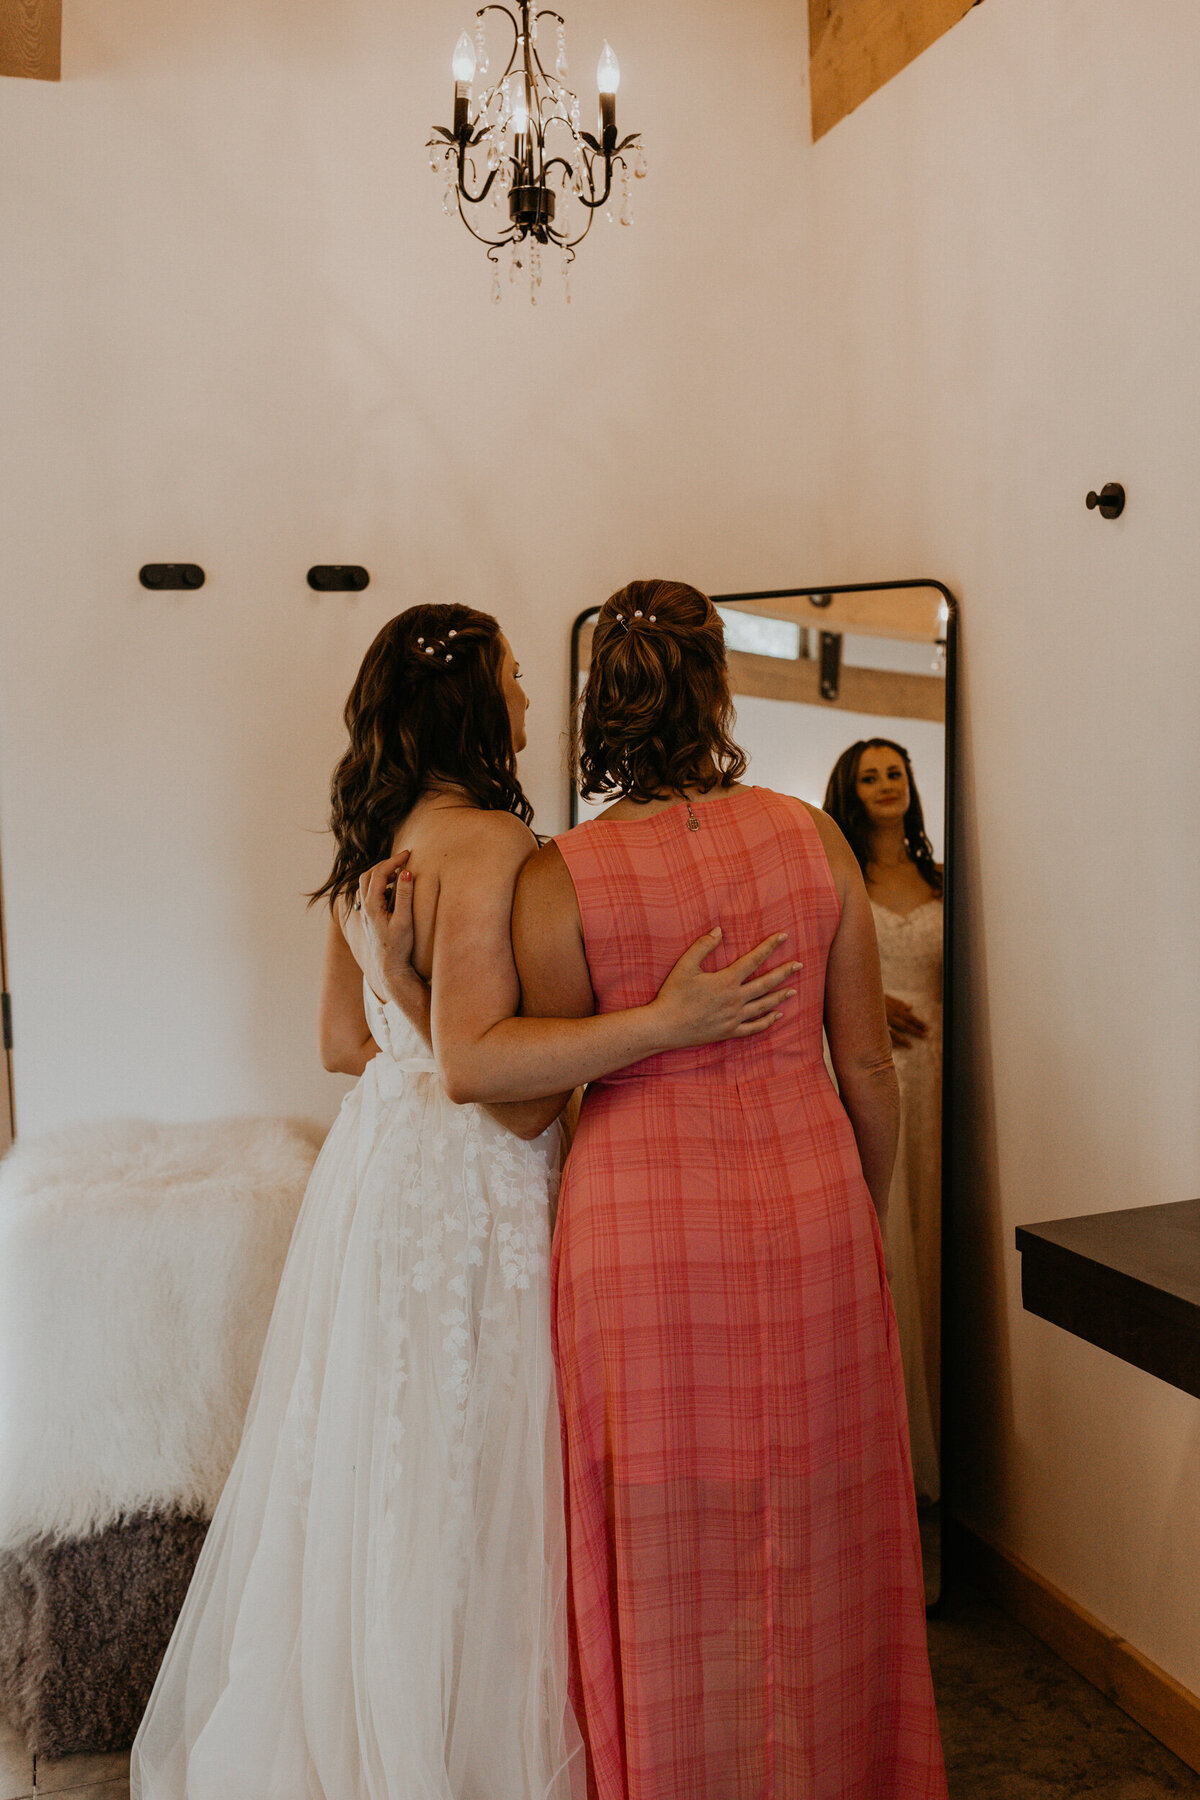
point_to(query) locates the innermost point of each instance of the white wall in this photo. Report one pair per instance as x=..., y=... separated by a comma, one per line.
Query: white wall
x=1006, y=246
x=235, y=327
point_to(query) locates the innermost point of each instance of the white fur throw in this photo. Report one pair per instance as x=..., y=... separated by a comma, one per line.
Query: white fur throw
x=138, y=1267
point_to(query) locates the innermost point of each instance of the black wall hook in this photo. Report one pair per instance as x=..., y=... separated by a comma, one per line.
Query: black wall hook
x=171, y=575
x=1110, y=500
x=334, y=578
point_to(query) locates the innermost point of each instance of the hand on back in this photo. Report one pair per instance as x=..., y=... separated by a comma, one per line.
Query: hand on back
x=699, y=1007
x=379, y=926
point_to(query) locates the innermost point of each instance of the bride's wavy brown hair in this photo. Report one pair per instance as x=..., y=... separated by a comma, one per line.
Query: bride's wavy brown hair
x=655, y=713
x=844, y=807
x=427, y=706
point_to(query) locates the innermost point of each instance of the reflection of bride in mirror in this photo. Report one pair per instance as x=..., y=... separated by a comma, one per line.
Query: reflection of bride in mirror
x=873, y=797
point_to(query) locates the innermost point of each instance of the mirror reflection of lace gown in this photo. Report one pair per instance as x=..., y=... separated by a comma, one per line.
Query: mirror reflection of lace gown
x=378, y=1611
x=910, y=955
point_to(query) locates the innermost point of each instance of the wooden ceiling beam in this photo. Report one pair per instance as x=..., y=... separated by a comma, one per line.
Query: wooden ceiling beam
x=883, y=693
x=31, y=39
x=856, y=46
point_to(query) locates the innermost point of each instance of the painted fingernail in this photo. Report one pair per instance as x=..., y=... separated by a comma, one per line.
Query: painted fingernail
x=404, y=875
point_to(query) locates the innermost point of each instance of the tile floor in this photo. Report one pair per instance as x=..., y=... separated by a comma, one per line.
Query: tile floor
x=1017, y=1724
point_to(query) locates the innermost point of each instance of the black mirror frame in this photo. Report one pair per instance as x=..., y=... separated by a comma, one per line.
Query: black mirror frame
x=819, y=595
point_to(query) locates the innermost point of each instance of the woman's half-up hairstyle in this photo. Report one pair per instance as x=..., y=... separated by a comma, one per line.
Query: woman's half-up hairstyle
x=655, y=713
x=844, y=807
x=427, y=706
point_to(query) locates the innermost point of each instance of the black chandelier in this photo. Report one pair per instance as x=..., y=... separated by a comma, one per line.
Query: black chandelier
x=523, y=155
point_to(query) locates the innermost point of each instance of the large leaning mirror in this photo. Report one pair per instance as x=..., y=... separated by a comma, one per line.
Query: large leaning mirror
x=844, y=697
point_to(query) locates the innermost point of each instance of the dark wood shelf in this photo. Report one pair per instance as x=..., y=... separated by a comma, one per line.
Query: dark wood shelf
x=1127, y=1281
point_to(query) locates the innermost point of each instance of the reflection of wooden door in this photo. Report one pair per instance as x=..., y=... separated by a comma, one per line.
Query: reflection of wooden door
x=7, y=1112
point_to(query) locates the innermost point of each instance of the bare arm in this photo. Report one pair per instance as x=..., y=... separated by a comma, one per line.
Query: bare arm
x=856, y=1022
x=486, y=1054
x=547, y=940
x=346, y=1043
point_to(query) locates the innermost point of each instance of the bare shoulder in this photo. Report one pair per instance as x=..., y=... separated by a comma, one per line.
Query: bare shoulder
x=842, y=860
x=497, y=840
x=545, y=876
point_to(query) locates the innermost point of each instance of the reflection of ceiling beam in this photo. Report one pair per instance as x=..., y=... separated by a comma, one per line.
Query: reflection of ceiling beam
x=909, y=613
x=31, y=38
x=855, y=46
x=881, y=692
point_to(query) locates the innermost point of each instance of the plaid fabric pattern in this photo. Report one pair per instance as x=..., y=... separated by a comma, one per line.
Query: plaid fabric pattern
x=746, y=1612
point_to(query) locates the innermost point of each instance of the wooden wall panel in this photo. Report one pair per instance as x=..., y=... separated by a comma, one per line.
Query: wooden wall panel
x=31, y=38
x=855, y=46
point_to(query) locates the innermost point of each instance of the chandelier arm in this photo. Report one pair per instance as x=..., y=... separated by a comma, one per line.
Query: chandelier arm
x=464, y=192
x=594, y=205
x=570, y=243
x=537, y=57
x=493, y=243
x=557, y=118
x=509, y=15
x=512, y=55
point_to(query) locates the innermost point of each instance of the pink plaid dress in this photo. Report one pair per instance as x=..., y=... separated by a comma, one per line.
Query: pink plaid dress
x=746, y=1619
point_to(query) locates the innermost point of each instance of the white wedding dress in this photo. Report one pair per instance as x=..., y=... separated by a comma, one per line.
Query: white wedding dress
x=910, y=957
x=378, y=1612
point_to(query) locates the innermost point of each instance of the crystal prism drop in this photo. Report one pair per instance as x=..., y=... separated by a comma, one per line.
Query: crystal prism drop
x=495, y=285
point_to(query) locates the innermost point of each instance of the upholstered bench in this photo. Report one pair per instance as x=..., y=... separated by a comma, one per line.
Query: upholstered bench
x=138, y=1267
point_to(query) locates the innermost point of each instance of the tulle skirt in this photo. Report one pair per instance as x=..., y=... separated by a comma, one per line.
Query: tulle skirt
x=379, y=1609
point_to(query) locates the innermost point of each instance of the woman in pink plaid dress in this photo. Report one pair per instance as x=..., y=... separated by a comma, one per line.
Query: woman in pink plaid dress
x=746, y=1610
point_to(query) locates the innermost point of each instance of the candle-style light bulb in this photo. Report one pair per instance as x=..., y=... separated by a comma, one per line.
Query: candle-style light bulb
x=520, y=107
x=463, y=65
x=463, y=61
x=608, y=80
x=608, y=70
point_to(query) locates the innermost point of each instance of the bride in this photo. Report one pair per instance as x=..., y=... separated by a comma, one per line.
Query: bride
x=378, y=1610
